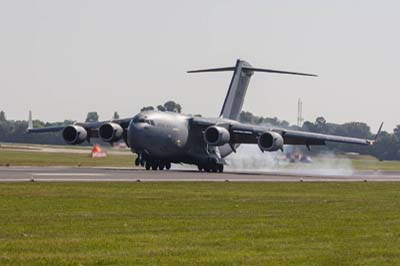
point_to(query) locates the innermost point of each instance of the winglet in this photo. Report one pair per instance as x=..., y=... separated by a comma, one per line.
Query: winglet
x=379, y=132
x=372, y=142
x=30, y=123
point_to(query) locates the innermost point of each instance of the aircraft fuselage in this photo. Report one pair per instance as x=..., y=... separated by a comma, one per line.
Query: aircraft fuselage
x=169, y=137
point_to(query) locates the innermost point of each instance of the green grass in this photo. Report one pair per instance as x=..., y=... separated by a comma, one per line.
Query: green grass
x=12, y=145
x=371, y=163
x=200, y=224
x=31, y=158
x=17, y=157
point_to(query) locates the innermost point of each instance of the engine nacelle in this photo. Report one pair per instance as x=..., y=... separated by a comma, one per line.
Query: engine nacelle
x=216, y=136
x=111, y=132
x=270, y=141
x=74, y=134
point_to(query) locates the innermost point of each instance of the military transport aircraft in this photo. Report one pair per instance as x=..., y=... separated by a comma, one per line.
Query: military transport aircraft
x=162, y=138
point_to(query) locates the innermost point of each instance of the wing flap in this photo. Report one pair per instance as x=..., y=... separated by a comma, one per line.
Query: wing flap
x=45, y=129
x=248, y=134
x=310, y=138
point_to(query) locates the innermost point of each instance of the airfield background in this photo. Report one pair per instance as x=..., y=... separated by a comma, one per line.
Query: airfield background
x=387, y=146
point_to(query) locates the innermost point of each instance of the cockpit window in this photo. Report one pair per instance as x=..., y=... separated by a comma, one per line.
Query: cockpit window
x=143, y=119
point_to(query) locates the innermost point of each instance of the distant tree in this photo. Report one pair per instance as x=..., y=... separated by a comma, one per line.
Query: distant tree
x=116, y=116
x=246, y=117
x=92, y=117
x=309, y=126
x=2, y=116
x=172, y=106
x=396, y=132
x=161, y=108
x=169, y=106
x=68, y=122
x=386, y=147
x=249, y=118
x=147, y=108
x=320, y=124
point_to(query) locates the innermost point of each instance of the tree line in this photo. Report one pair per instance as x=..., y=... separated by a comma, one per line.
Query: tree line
x=387, y=146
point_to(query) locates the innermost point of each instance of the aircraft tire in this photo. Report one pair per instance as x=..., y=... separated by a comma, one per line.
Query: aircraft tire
x=161, y=166
x=168, y=166
x=137, y=161
x=147, y=166
x=220, y=168
x=154, y=166
x=201, y=168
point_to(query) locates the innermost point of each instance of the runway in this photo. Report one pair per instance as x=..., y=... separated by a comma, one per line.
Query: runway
x=78, y=174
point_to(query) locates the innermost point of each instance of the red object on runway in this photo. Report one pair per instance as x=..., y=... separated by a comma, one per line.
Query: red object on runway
x=97, y=152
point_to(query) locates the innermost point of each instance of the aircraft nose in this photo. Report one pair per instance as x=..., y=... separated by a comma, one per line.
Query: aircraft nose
x=136, y=135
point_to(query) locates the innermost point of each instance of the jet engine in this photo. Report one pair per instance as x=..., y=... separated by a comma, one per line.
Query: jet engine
x=111, y=132
x=270, y=141
x=216, y=136
x=74, y=134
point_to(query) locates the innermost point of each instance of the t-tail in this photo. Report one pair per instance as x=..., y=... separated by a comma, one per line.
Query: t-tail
x=242, y=73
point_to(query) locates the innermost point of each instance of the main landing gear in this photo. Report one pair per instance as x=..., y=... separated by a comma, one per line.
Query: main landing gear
x=157, y=165
x=211, y=168
x=152, y=164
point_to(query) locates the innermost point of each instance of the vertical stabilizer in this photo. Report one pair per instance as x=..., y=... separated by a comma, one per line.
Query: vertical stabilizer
x=237, y=91
x=242, y=73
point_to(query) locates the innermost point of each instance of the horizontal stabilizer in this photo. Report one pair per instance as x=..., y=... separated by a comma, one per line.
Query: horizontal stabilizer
x=252, y=69
x=213, y=70
x=277, y=71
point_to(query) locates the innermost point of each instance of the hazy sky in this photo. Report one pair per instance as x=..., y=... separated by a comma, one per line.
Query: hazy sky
x=64, y=58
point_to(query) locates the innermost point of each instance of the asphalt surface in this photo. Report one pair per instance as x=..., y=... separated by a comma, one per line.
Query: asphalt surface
x=77, y=174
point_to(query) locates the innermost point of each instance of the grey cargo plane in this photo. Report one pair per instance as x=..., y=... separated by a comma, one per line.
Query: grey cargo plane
x=162, y=138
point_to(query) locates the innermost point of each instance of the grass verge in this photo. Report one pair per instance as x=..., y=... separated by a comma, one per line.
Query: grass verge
x=200, y=224
x=31, y=158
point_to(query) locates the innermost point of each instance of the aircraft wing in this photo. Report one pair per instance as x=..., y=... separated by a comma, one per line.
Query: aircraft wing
x=249, y=134
x=91, y=128
x=87, y=125
x=241, y=133
x=309, y=138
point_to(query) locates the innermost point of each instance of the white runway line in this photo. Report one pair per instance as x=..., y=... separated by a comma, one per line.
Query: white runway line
x=67, y=174
x=132, y=180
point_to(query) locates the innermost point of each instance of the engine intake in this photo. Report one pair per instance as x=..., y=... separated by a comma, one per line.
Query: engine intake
x=270, y=141
x=111, y=132
x=74, y=134
x=216, y=136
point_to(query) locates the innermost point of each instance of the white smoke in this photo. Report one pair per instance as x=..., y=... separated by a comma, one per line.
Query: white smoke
x=249, y=158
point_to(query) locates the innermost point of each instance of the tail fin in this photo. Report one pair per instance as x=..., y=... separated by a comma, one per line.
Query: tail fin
x=242, y=73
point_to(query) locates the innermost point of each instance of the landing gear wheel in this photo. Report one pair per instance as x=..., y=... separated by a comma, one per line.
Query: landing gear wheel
x=154, y=166
x=137, y=161
x=168, y=166
x=220, y=168
x=207, y=169
x=214, y=168
x=161, y=166
x=201, y=168
x=142, y=162
x=147, y=166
